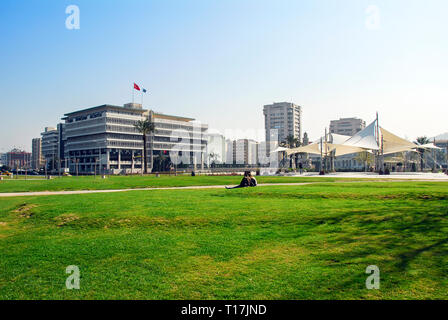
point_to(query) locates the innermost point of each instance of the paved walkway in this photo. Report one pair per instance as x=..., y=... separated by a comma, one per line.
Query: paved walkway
x=426, y=176
x=396, y=177
x=53, y=193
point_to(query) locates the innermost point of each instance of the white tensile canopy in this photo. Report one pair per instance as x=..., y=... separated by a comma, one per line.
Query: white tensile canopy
x=393, y=143
x=429, y=146
x=338, y=138
x=316, y=146
x=313, y=148
x=280, y=149
x=365, y=140
x=341, y=149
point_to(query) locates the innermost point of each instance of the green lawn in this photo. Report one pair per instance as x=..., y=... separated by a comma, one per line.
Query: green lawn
x=132, y=182
x=282, y=242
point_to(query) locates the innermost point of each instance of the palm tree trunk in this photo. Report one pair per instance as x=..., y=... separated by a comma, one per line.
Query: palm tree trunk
x=421, y=161
x=145, y=159
x=151, y=150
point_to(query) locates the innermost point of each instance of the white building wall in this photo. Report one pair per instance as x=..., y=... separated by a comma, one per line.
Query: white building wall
x=240, y=151
x=217, y=145
x=229, y=151
x=252, y=148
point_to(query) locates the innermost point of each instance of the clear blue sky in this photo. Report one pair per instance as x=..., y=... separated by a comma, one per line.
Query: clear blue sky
x=221, y=61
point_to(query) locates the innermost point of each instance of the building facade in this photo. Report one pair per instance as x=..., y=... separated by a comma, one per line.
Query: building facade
x=285, y=118
x=242, y=152
x=37, y=159
x=441, y=156
x=18, y=159
x=50, y=147
x=348, y=163
x=179, y=140
x=3, y=160
x=441, y=141
x=104, y=139
x=230, y=152
x=216, y=148
x=347, y=126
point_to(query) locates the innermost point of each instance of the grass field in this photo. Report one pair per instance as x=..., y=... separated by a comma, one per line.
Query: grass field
x=280, y=242
x=132, y=182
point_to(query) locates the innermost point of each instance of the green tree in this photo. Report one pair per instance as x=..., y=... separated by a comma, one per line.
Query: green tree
x=145, y=127
x=291, y=142
x=212, y=158
x=366, y=158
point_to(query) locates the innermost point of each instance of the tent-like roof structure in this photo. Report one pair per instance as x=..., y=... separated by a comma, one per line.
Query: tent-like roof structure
x=337, y=138
x=366, y=138
x=393, y=143
x=313, y=148
x=341, y=149
x=429, y=146
x=279, y=149
x=369, y=139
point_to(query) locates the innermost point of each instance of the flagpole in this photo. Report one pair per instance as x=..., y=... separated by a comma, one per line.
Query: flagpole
x=133, y=94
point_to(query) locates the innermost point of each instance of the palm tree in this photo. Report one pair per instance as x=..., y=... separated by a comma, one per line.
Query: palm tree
x=212, y=158
x=145, y=127
x=366, y=158
x=161, y=162
x=421, y=151
x=291, y=142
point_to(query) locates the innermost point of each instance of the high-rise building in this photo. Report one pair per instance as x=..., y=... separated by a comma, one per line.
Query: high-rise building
x=104, y=139
x=286, y=118
x=245, y=152
x=216, y=148
x=230, y=152
x=50, y=147
x=37, y=159
x=347, y=126
x=18, y=159
x=61, y=145
x=252, y=152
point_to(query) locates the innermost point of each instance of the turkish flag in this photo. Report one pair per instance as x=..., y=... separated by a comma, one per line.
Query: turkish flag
x=136, y=87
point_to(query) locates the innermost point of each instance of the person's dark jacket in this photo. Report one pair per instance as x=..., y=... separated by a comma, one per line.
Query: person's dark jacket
x=253, y=182
x=248, y=182
x=245, y=182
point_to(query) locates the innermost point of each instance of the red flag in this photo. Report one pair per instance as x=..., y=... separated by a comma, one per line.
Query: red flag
x=136, y=87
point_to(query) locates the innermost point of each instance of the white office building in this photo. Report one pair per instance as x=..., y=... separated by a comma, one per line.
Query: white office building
x=37, y=159
x=216, y=148
x=285, y=118
x=230, y=152
x=50, y=147
x=104, y=139
x=242, y=152
x=347, y=126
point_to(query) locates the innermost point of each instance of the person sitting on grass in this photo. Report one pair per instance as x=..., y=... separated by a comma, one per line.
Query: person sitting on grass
x=247, y=181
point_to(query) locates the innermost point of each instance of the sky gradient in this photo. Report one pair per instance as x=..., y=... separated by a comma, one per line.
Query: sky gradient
x=221, y=61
